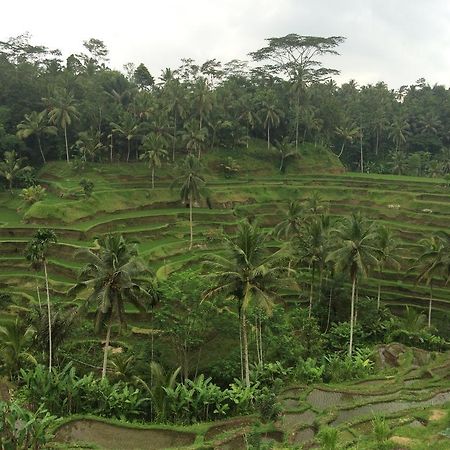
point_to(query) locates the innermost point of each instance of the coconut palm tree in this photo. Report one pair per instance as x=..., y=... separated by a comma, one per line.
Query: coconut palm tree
x=113, y=276
x=12, y=167
x=287, y=151
x=247, y=274
x=192, y=184
x=271, y=117
x=62, y=113
x=348, y=133
x=36, y=253
x=291, y=223
x=194, y=138
x=399, y=131
x=388, y=247
x=128, y=128
x=35, y=124
x=433, y=262
x=176, y=106
x=354, y=253
x=154, y=152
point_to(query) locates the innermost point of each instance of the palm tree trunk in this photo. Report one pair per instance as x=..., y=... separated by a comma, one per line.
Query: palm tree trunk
x=129, y=149
x=105, y=350
x=361, y=152
x=245, y=349
x=38, y=296
x=174, y=136
x=190, y=224
x=329, y=308
x=352, y=312
x=111, y=149
x=67, y=144
x=40, y=149
x=240, y=347
x=50, y=343
x=311, y=291
x=429, y=305
x=379, y=296
x=268, y=135
x=342, y=150
x=153, y=178
x=247, y=136
x=377, y=142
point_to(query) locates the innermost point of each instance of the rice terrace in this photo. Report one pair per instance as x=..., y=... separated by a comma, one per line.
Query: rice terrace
x=241, y=255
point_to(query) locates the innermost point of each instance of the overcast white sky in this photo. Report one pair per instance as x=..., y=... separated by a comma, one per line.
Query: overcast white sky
x=397, y=41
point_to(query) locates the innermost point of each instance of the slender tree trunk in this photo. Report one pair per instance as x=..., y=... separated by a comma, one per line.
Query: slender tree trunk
x=247, y=136
x=342, y=149
x=296, y=133
x=50, y=343
x=281, y=163
x=240, y=346
x=174, y=136
x=258, y=354
x=129, y=150
x=67, y=144
x=430, y=305
x=329, y=308
x=352, y=312
x=361, y=151
x=311, y=291
x=111, y=149
x=38, y=295
x=245, y=349
x=268, y=135
x=260, y=341
x=153, y=178
x=40, y=149
x=377, y=142
x=106, y=349
x=190, y=223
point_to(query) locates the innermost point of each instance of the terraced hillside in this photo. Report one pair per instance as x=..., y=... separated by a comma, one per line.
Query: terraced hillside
x=123, y=202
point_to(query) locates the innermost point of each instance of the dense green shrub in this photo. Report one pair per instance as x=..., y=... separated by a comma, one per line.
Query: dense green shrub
x=21, y=428
x=63, y=393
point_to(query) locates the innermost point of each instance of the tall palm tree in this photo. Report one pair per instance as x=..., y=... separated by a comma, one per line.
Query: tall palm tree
x=399, y=131
x=355, y=253
x=128, y=128
x=62, y=112
x=113, y=276
x=249, y=117
x=202, y=100
x=271, y=117
x=194, y=138
x=154, y=151
x=35, y=124
x=12, y=167
x=287, y=151
x=388, y=247
x=348, y=133
x=433, y=262
x=290, y=225
x=192, y=184
x=247, y=274
x=36, y=253
x=311, y=246
x=176, y=105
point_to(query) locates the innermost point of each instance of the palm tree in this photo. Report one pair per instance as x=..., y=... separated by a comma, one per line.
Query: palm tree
x=399, y=131
x=113, y=276
x=128, y=128
x=35, y=124
x=399, y=162
x=15, y=339
x=249, y=117
x=191, y=187
x=247, y=274
x=12, y=167
x=62, y=112
x=388, y=247
x=347, y=132
x=271, y=115
x=203, y=100
x=354, y=253
x=290, y=226
x=89, y=144
x=432, y=262
x=194, y=138
x=287, y=151
x=154, y=151
x=311, y=246
x=36, y=253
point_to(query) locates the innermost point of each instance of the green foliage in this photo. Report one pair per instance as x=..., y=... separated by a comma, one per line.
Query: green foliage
x=33, y=194
x=342, y=368
x=87, y=186
x=381, y=430
x=309, y=371
x=21, y=428
x=268, y=406
x=328, y=438
x=62, y=393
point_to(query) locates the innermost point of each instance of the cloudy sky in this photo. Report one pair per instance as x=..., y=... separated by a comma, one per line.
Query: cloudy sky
x=397, y=41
